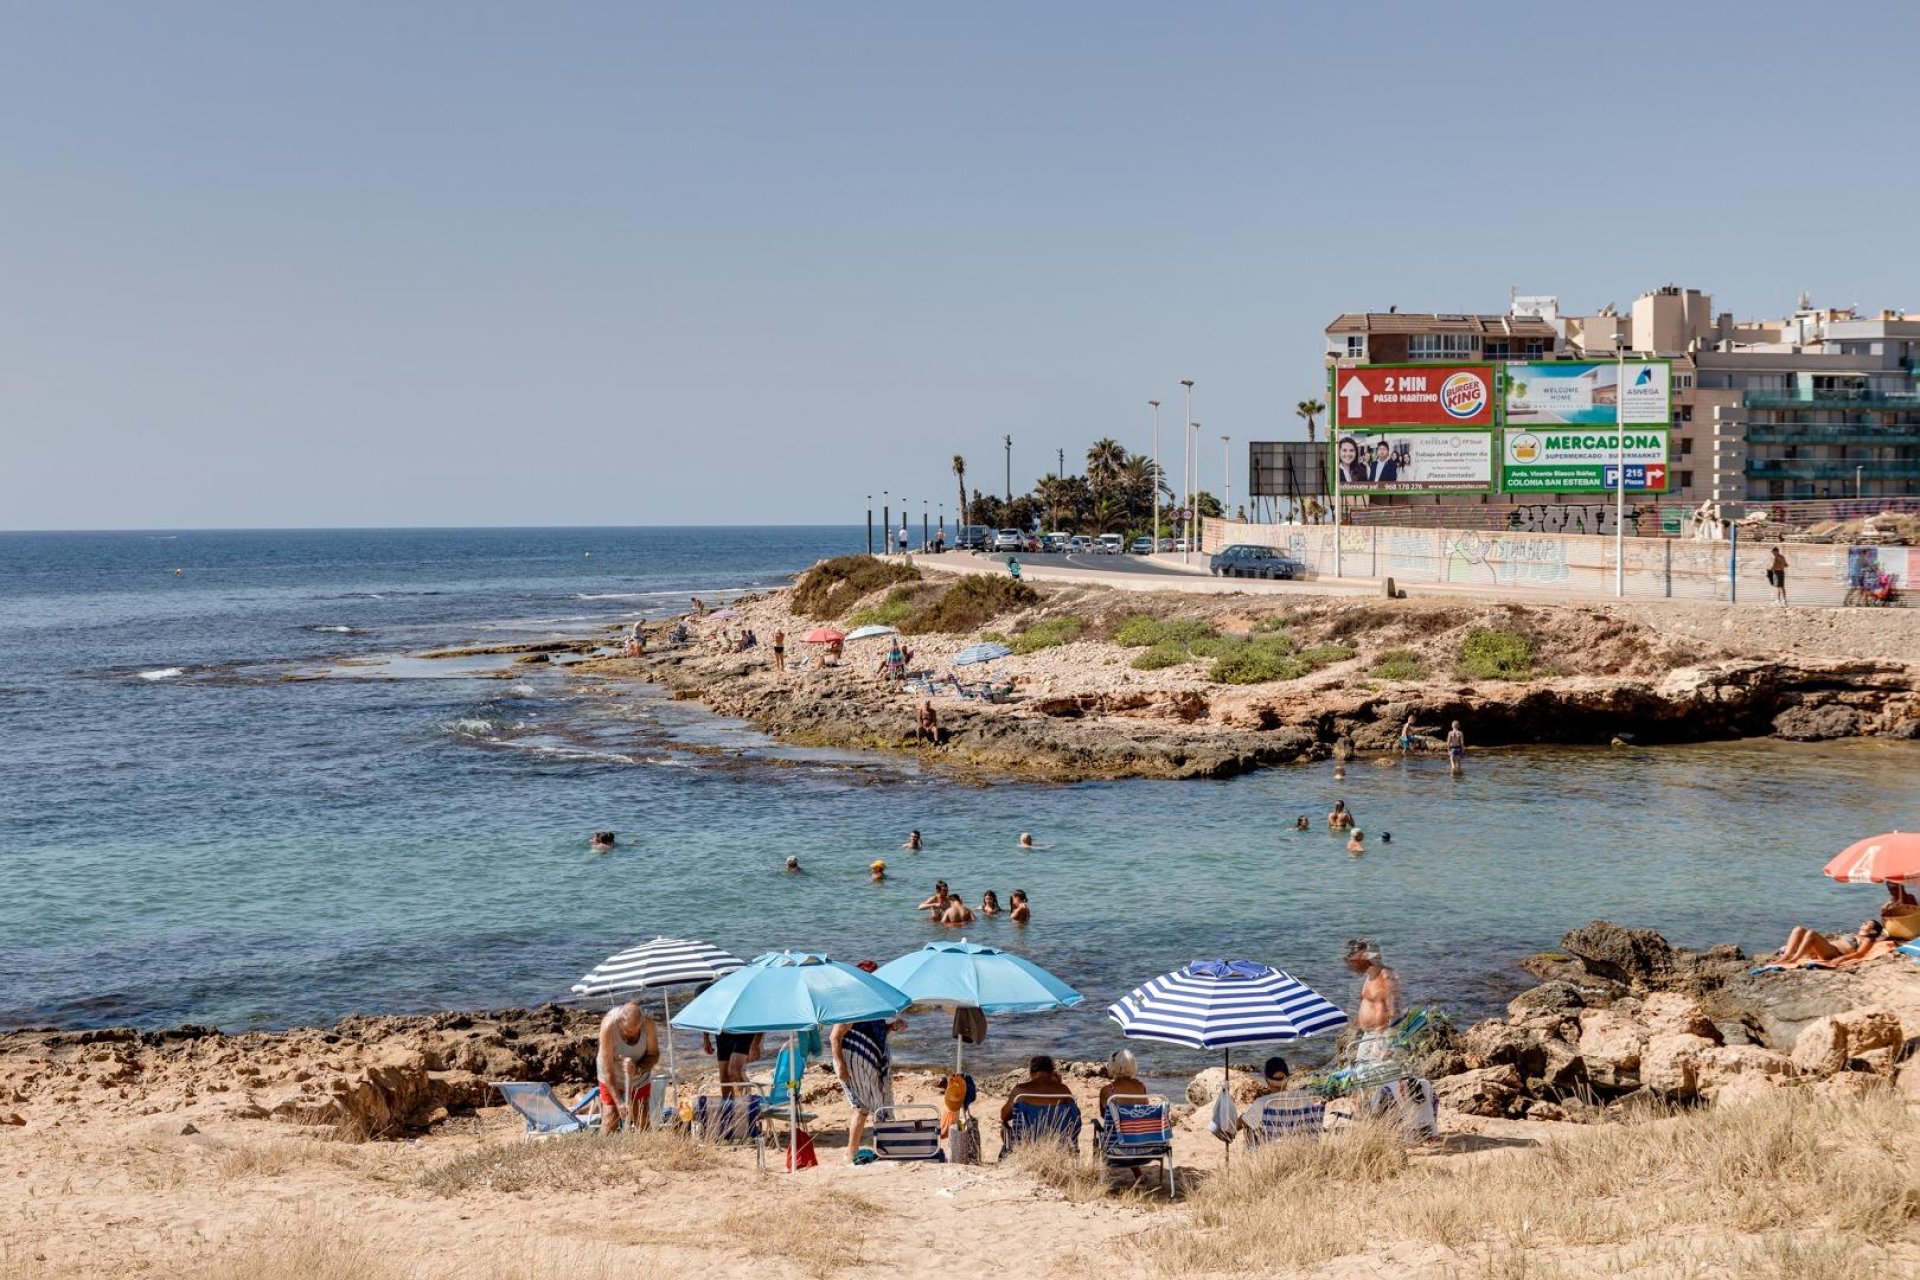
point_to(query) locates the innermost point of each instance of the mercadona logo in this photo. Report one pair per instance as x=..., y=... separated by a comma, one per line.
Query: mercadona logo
x=1524, y=448
x=1464, y=395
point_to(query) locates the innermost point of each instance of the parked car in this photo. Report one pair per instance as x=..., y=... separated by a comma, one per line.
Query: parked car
x=1054, y=542
x=972, y=537
x=1111, y=544
x=1247, y=561
x=1142, y=545
x=1166, y=544
x=1079, y=544
x=1009, y=540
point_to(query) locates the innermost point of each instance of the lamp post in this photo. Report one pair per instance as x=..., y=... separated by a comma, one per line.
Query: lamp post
x=869, y=524
x=1009, y=443
x=1199, y=466
x=1620, y=466
x=886, y=522
x=925, y=541
x=1156, y=476
x=1226, y=480
x=1186, y=454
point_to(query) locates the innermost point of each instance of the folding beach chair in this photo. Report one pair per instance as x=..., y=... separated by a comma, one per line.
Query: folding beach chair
x=1292, y=1113
x=1408, y=1103
x=907, y=1133
x=1135, y=1134
x=1042, y=1122
x=735, y=1117
x=545, y=1114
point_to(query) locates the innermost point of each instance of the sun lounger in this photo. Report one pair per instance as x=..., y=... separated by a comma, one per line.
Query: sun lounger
x=1135, y=1134
x=1042, y=1122
x=1911, y=950
x=1292, y=1113
x=735, y=1117
x=545, y=1114
x=907, y=1133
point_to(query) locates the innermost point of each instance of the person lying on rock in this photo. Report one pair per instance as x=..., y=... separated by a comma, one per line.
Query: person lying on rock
x=1805, y=947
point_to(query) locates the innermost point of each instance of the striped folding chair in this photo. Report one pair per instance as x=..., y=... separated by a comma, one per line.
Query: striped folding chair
x=1292, y=1113
x=734, y=1117
x=1042, y=1122
x=545, y=1114
x=1408, y=1103
x=1135, y=1134
x=907, y=1133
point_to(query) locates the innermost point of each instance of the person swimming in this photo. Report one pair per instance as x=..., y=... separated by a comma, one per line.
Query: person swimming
x=1026, y=840
x=1018, y=909
x=793, y=867
x=1341, y=818
x=989, y=903
x=1357, y=842
x=878, y=870
x=937, y=900
x=1339, y=773
x=957, y=913
x=914, y=843
x=1386, y=837
x=602, y=842
x=1301, y=823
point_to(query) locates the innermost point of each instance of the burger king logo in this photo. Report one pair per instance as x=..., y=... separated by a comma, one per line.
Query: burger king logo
x=1524, y=447
x=1464, y=395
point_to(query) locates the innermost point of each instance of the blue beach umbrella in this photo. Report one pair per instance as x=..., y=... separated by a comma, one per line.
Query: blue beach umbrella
x=968, y=975
x=1216, y=1004
x=790, y=991
x=986, y=652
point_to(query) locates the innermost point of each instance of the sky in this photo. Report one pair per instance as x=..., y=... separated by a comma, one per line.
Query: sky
x=398, y=264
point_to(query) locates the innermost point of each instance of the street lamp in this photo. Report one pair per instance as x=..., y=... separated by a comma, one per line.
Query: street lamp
x=1156, y=476
x=1009, y=469
x=1226, y=480
x=924, y=540
x=1199, y=467
x=1620, y=466
x=1186, y=453
x=1856, y=482
x=886, y=522
x=869, y=524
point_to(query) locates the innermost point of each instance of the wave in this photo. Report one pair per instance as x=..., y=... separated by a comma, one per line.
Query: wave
x=162, y=673
x=476, y=726
x=345, y=631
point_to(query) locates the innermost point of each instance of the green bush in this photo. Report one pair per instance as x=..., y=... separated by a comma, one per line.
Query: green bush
x=1325, y=655
x=891, y=612
x=1399, y=664
x=1272, y=622
x=970, y=604
x=1256, y=664
x=1274, y=641
x=1216, y=646
x=1162, y=655
x=996, y=637
x=1185, y=630
x=1493, y=654
x=1048, y=633
x=1138, y=632
x=831, y=587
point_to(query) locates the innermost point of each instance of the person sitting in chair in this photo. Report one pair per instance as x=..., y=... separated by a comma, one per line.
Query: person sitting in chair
x=1043, y=1087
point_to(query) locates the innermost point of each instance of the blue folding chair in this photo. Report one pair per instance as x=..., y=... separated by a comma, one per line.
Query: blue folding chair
x=1292, y=1113
x=1134, y=1134
x=1042, y=1122
x=907, y=1133
x=545, y=1114
x=736, y=1116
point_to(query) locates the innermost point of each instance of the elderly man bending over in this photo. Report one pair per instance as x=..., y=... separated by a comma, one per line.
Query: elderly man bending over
x=629, y=1047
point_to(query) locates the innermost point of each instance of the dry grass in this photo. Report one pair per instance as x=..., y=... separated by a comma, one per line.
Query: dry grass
x=281, y=1156
x=821, y=1233
x=578, y=1162
x=290, y=1247
x=1791, y=1184
x=1059, y=1166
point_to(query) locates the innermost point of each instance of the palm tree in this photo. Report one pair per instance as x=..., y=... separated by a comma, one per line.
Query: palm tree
x=1104, y=461
x=960, y=479
x=1309, y=410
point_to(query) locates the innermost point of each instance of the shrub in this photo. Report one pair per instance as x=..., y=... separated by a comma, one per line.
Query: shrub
x=1217, y=646
x=891, y=612
x=1162, y=655
x=830, y=588
x=1048, y=633
x=1399, y=664
x=1272, y=622
x=1138, y=632
x=1185, y=630
x=970, y=603
x=1274, y=641
x=997, y=637
x=1491, y=654
x=1256, y=664
x=1325, y=655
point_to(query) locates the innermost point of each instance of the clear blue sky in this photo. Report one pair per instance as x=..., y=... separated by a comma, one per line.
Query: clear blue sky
x=373, y=264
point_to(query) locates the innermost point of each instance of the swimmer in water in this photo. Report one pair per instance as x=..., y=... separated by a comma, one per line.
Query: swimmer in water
x=878, y=871
x=1341, y=818
x=913, y=844
x=1339, y=773
x=937, y=900
x=1027, y=844
x=1301, y=823
x=793, y=867
x=989, y=903
x=958, y=913
x=1386, y=837
x=1357, y=842
x=1019, y=912
x=602, y=841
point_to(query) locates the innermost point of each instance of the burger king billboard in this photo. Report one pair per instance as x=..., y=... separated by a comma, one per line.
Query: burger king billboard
x=1414, y=395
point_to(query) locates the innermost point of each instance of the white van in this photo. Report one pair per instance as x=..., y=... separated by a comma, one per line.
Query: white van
x=1111, y=544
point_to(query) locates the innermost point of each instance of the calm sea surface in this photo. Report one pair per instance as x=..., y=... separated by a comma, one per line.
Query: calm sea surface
x=191, y=833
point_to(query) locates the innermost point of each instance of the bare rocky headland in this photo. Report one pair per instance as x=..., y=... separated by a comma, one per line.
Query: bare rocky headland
x=1330, y=676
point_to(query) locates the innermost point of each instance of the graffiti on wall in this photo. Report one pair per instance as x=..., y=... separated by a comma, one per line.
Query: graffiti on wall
x=1503, y=560
x=1575, y=517
x=1411, y=553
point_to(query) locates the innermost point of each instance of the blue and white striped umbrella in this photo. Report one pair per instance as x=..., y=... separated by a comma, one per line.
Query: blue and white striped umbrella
x=1215, y=1004
x=986, y=651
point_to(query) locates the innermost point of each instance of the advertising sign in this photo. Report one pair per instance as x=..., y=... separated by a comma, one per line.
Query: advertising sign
x=1413, y=460
x=1586, y=393
x=1548, y=459
x=1417, y=395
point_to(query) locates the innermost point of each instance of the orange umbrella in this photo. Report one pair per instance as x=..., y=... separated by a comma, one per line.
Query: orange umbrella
x=824, y=635
x=1891, y=858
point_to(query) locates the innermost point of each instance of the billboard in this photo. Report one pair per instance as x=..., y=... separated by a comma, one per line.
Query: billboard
x=1287, y=469
x=1560, y=459
x=1587, y=393
x=1417, y=395
x=1413, y=460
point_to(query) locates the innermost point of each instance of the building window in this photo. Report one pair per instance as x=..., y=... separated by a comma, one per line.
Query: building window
x=1498, y=349
x=1536, y=347
x=1686, y=479
x=1686, y=446
x=1683, y=382
x=1356, y=346
x=1443, y=346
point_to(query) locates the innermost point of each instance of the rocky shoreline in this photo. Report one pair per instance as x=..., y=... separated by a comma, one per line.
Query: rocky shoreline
x=1081, y=708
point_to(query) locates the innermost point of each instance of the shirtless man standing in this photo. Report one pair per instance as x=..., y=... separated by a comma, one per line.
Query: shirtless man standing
x=1456, y=747
x=1379, y=1000
x=630, y=1043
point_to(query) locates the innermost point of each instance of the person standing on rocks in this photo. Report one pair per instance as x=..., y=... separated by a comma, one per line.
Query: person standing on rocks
x=1379, y=1000
x=629, y=1048
x=1406, y=737
x=779, y=652
x=1456, y=747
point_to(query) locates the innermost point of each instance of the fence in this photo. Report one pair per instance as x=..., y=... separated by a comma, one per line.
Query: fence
x=1574, y=564
x=1646, y=517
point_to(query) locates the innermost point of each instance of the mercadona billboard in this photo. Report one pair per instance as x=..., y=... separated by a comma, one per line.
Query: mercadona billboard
x=1576, y=459
x=1587, y=393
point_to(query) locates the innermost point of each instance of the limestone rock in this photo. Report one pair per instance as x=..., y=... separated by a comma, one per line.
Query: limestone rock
x=1546, y=1000
x=1611, y=1041
x=1670, y=1064
x=1493, y=1043
x=1637, y=957
x=1205, y=1087
x=1781, y=1004
x=1736, y=1090
x=1816, y=724
x=1869, y=1028
x=1725, y=1065
x=1670, y=1013
x=1546, y=1111
x=1489, y=1091
x=1563, y=1069
x=1821, y=1048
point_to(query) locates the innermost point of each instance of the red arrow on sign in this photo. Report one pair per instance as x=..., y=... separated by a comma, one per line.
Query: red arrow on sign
x=1656, y=475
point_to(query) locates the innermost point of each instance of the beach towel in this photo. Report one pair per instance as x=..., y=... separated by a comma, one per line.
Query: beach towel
x=969, y=1026
x=869, y=1082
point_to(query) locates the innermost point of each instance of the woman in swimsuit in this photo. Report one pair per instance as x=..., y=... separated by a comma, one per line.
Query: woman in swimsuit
x=989, y=903
x=1020, y=912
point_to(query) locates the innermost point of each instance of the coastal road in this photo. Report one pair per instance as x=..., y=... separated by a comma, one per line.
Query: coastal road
x=1137, y=573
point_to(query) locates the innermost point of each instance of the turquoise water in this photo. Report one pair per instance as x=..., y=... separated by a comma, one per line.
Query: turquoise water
x=226, y=846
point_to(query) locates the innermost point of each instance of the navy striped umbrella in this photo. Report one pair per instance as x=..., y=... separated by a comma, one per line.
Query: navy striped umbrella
x=655, y=966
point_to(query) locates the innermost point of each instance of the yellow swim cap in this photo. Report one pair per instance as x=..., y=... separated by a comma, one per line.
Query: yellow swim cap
x=879, y=865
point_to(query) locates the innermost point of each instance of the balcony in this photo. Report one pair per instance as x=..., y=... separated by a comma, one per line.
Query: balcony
x=1822, y=433
x=1809, y=469
x=1833, y=399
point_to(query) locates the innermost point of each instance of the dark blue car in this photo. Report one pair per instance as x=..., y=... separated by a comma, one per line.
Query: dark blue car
x=1247, y=561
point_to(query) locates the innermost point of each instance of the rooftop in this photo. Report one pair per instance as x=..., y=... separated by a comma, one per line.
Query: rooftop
x=1439, y=322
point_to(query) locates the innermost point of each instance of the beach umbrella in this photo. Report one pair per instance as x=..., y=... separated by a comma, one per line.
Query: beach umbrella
x=1893, y=858
x=791, y=991
x=970, y=976
x=870, y=631
x=987, y=652
x=656, y=966
x=1216, y=1004
x=824, y=635
x=725, y=613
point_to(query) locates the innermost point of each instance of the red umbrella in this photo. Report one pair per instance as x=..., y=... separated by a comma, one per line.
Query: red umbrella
x=824, y=635
x=1894, y=857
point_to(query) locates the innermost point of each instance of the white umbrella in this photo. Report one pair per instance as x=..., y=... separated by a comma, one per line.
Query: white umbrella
x=871, y=630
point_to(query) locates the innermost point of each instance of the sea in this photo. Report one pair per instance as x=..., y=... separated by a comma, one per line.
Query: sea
x=233, y=794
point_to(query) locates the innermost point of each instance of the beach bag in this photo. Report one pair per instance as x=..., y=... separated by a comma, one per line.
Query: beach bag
x=800, y=1155
x=1902, y=926
x=969, y=1026
x=1224, y=1124
x=963, y=1141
